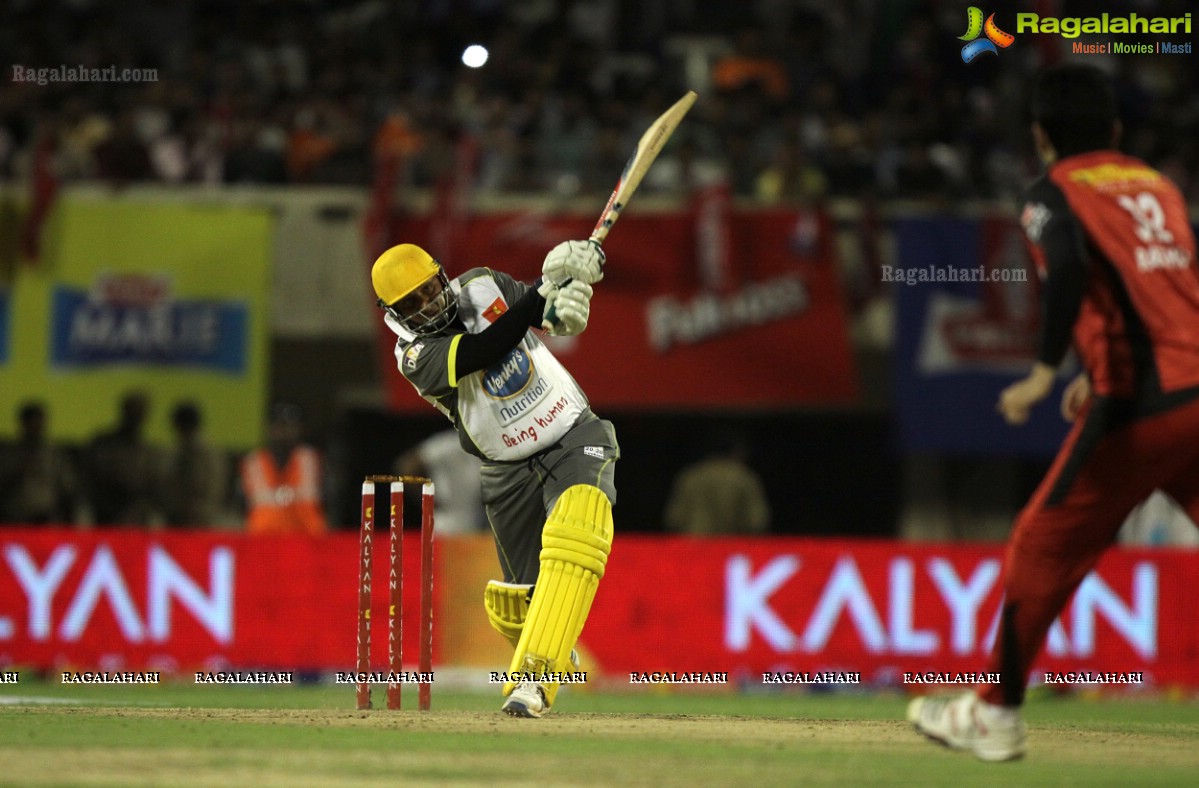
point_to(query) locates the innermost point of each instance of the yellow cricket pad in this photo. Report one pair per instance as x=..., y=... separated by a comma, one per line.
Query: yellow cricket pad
x=575, y=544
x=507, y=606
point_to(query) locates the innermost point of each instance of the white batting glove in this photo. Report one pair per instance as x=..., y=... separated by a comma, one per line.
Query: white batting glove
x=571, y=260
x=572, y=306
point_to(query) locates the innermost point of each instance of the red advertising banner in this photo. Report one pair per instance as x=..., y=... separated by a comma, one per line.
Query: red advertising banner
x=126, y=599
x=178, y=602
x=705, y=308
x=878, y=608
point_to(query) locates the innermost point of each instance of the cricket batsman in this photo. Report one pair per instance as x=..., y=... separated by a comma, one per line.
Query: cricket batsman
x=468, y=347
x=1112, y=242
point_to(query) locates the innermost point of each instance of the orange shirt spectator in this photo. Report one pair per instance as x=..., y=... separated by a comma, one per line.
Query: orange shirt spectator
x=735, y=72
x=282, y=481
x=749, y=65
x=395, y=138
x=305, y=150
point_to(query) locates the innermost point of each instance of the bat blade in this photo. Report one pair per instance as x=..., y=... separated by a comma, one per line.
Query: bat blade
x=648, y=148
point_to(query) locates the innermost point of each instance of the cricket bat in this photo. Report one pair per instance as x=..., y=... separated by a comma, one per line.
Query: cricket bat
x=648, y=148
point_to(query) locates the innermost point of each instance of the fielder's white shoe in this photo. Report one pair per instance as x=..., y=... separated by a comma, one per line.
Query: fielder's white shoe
x=526, y=700
x=992, y=733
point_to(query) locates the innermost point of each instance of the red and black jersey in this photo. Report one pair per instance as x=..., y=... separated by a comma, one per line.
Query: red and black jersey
x=1112, y=241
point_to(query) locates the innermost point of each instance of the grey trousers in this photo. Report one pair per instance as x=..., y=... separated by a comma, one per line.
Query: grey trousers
x=518, y=496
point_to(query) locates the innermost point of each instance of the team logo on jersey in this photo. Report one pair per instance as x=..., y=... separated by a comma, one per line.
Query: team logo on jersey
x=976, y=27
x=493, y=312
x=412, y=354
x=509, y=377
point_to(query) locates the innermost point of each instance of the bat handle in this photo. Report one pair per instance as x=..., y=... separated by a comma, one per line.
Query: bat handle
x=551, y=317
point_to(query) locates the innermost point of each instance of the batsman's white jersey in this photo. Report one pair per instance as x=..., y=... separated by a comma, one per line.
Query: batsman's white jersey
x=524, y=404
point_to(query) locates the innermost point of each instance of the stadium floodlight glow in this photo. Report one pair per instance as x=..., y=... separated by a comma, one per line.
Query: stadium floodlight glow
x=474, y=56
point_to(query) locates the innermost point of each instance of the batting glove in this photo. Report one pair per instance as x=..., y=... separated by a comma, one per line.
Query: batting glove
x=571, y=260
x=571, y=305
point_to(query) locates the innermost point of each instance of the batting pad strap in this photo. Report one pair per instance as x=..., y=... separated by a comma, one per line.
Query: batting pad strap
x=572, y=546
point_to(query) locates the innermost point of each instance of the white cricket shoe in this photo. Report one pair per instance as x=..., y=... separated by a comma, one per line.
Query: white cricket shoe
x=526, y=700
x=992, y=733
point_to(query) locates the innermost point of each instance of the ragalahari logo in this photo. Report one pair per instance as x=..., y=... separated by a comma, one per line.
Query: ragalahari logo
x=975, y=27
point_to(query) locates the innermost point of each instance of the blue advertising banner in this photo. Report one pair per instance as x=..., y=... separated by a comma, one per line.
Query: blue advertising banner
x=102, y=327
x=967, y=317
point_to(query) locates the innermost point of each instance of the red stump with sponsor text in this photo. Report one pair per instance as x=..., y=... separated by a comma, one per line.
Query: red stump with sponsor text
x=395, y=585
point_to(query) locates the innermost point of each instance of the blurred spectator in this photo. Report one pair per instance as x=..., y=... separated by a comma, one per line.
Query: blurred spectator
x=720, y=494
x=848, y=163
x=256, y=154
x=309, y=145
x=121, y=468
x=917, y=176
x=195, y=480
x=750, y=64
x=458, y=506
x=38, y=482
x=283, y=482
x=790, y=176
x=122, y=156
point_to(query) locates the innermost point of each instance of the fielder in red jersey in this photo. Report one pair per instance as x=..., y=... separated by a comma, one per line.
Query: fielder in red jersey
x=1111, y=239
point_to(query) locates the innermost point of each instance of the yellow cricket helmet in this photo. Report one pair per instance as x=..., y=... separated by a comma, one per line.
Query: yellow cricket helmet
x=401, y=272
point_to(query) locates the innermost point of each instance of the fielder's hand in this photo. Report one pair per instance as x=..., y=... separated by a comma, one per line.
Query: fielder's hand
x=571, y=304
x=574, y=260
x=1019, y=398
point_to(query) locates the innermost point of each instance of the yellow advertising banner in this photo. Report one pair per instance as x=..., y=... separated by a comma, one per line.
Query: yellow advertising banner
x=170, y=299
x=465, y=639
x=465, y=563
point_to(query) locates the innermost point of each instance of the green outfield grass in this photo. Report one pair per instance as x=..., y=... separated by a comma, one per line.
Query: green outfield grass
x=180, y=734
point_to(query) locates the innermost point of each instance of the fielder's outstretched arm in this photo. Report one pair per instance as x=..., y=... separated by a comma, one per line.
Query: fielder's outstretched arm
x=1060, y=244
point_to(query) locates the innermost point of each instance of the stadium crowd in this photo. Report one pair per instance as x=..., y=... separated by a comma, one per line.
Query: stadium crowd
x=801, y=99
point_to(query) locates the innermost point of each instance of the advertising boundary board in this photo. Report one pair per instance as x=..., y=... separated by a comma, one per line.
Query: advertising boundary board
x=743, y=608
